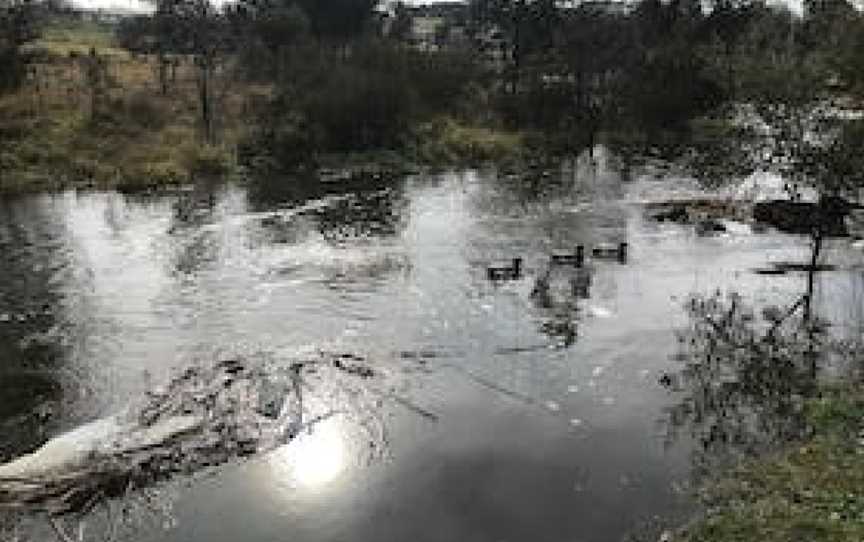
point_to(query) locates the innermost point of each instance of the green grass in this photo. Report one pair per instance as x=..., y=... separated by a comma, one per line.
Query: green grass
x=812, y=492
x=446, y=140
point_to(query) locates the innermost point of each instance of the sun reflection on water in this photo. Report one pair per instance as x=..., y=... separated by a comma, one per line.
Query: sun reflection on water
x=314, y=459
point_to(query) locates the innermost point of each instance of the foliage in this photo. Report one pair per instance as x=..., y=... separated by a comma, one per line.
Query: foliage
x=573, y=75
x=372, y=100
x=744, y=378
x=338, y=20
x=446, y=141
x=17, y=27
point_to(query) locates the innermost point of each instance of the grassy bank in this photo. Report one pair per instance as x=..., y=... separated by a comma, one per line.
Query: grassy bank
x=62, y=129
x=443, y=143
x=810, y=492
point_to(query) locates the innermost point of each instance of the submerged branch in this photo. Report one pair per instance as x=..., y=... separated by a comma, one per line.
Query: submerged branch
x=203, y=418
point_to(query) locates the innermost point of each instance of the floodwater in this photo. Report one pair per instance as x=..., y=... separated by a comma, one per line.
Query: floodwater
x=501, y=415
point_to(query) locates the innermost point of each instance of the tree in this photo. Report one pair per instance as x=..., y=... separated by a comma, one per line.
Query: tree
x=280, y=28
x=667, y=82
x=728, y=22
x=95, y=73
x=17, y=27
x=592, y=46
x=783, y=87
x=338, y=21
x=198, y=29
x=402, y=25
x=527, y=28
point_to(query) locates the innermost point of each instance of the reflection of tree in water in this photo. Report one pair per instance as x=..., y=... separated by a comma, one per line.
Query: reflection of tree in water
x=357, y=208
x=556, y=295
x=193, y=209
x=31, y=306
x=189, y=212
x=744, y=378
x=366, y=214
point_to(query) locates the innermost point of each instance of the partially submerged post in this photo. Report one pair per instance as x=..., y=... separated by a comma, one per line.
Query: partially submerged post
x=622, y=252
x=517, y=268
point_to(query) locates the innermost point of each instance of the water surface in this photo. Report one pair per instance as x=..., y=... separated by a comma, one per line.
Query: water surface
x=544, y=414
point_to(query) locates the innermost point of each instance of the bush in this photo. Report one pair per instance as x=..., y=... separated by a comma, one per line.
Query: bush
x=155, y=174
x=370, y=99
x=445, y=140
x=207, y=160
x=355, y=110
x=144, y=110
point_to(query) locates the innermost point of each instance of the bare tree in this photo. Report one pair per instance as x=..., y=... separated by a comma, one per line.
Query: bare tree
x=17, y=27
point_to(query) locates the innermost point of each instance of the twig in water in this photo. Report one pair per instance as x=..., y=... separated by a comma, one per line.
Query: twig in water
x=493, y=386
x=411, y=406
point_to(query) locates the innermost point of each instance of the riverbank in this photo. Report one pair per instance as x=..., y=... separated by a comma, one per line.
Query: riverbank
x=444, y=143
x=99, y=120
x=102, y=120
x=810, y=491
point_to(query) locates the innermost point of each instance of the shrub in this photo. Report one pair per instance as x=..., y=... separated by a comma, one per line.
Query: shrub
x=144, y=110
x=355, y=109
x=446, y=140
x=207, y=159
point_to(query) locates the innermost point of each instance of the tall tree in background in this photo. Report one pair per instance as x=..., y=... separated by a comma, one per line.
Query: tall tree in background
x=593, y=48
x=197, y=28
x=728, y=23
x=834, y=29
x=339, y=21
x=17, y=27
x=165, y=33
x=279, y=27
x=402, y=26
x=667, y=81
x=526, y=26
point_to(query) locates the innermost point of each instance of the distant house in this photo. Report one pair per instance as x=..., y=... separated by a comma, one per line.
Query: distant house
x=105, y=16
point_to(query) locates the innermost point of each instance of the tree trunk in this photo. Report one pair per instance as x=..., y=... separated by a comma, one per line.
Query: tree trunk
x=811, y=273
x=730, y=73
x=808, y=303
x=163, y=73
x=204, y=97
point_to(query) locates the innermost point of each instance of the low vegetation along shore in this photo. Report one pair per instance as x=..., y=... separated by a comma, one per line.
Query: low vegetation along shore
x=809, y=491
x=95, y=121
x=194, y=89
x=92, y=115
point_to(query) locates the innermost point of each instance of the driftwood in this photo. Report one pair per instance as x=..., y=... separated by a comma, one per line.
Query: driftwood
x=205, y=417
x=828, y=216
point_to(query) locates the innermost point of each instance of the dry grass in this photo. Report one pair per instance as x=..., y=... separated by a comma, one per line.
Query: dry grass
x=446, y=140
x=138, y=138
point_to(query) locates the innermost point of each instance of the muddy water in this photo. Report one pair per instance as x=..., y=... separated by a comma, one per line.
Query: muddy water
x=503, y=416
